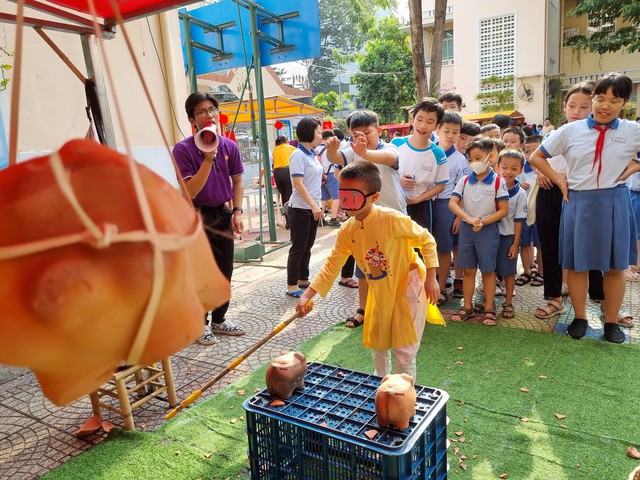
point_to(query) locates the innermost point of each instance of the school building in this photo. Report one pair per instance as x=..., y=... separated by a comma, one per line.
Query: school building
x=505, y=55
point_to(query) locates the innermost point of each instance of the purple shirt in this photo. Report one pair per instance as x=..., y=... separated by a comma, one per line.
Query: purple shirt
x=217, y=189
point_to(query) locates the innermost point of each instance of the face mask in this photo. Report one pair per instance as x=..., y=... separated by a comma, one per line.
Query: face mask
x=352, y=200
x=478, y=167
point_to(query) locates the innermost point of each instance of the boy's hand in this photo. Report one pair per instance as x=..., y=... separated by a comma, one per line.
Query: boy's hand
x=513, y=251
x=359, y=144
x=304, y=304
x=478, y=226
x=332, y=144
x=456, y=226
x=432, y=289
x=525, y=185
x=407, y=181
x=544, y=181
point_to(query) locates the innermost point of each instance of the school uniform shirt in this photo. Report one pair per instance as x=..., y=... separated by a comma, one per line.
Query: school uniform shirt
x=517, y=210
x=576, y=142
x=458, y=167
x=391, y=195
x=527, y=176
x=383, y=246
x=427, y=166
x=480, y=196
x=303, y=163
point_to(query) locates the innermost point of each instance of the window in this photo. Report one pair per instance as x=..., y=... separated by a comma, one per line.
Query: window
x=601, y=23
x=447, y=46
x=497, y=57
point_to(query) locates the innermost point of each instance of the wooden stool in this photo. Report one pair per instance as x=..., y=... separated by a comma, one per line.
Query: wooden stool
x=145, y=382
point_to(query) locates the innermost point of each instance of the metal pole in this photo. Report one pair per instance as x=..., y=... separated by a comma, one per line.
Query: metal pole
x=191, y=65
x=263, y=122
x=94, y=71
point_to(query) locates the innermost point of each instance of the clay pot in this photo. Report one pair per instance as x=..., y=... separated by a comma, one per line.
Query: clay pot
x=395, y=401
x=286, y=373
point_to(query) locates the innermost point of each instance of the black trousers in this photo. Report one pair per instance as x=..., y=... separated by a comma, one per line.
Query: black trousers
x=348, y=268
x=283, y=183
x=303, y=229
x=219, y=231
x=548, y=215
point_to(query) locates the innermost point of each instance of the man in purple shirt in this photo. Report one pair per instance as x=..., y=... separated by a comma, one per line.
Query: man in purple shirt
x=212, y=180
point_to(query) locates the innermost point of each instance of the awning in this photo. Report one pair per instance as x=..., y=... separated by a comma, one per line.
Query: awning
x=276, y=107
x=480, y=117
x=395, y=126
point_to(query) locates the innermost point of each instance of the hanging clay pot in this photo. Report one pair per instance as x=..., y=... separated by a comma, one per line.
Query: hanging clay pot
x=286, y=373
x=395, y=401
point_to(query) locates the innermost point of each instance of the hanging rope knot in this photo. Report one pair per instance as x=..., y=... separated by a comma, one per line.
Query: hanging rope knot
x=107, y=233
x=597, y=158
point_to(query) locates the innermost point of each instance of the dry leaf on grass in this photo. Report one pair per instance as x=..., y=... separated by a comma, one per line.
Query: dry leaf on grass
x=524, y=389
x=503, y=476
x=542, y=377
x=459, y=362
x=323, y=351
x=257, y=389
x=207, y=455
x=460, y=348
x=460, y=403
x=463, y=457
x=233, y=421
x=177, y=452
x=276, y=403
x=456, y=450
x=241, y=392
x=633, y=452
x=371, y=434
x=459, y=433
x=474, y=457
x=560, y=416
x=524, y=419
x=562, y=426
x=462, y=439
x=463, y=466
x=448, y=367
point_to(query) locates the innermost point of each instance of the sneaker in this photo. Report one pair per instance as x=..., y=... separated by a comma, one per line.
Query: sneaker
x=457, y=288
x=227, y=328
x=207, y=338
x=334, y=223
x=448, y=283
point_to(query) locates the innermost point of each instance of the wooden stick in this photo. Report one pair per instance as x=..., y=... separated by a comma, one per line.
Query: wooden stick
x=195, y=395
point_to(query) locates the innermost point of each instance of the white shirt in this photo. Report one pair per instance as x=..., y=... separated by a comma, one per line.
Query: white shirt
x=480, y=196
x=458, y=168
x=391, y=195
x=517, y=210
x=576, y=142
x=427, y=166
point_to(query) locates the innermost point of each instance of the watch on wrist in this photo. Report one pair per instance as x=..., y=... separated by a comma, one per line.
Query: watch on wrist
x=237, y=209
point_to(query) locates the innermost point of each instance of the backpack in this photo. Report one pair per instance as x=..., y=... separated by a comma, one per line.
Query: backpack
x=497, y=186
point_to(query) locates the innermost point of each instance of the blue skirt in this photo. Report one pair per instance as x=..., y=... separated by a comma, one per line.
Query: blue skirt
x=598, y=231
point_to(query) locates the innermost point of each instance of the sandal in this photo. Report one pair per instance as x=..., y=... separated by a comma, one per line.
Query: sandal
x=490, y=319
x=537, y=281
x=550, y=310
x=624, y=319
x=508, y=311
x=442, y=298
x=351, y=283
x=523, y=279
x=352, y=322
x=462, y=315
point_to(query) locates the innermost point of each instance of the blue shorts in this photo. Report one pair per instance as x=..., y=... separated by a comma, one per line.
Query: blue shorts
x=529, y=234
x=478, y=249
x=505, y=265
x=330, y=187
x=598, y=231
x=421, y=213
x=442, y=221
x=357, y=272
x=635, y=206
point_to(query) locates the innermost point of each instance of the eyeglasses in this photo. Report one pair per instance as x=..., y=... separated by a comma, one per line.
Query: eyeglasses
x=612, y=103
x=210, y=112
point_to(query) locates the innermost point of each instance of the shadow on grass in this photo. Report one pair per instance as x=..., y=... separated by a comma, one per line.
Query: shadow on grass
x=506, y=387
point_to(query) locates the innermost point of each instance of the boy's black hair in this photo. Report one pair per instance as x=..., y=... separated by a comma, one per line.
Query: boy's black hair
x=471, y=129
x=451, y=97
x=621, y=85
x=483, y=143
x=499, y=144
x=488, y=127
x=533, y=139
x=501, y=120
x=338, y=133
x=366, y=171
x=451, y=116
x=327, y=134
x=428, y=104
x=517, y=130
x=548, y=118
x=281, y=139
x=194, y=99
x=512, y=153
x=362, y=118
x=306, y=129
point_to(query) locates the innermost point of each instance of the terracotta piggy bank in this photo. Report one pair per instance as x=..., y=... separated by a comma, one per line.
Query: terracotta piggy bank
x=286, y=373
x=396, y=401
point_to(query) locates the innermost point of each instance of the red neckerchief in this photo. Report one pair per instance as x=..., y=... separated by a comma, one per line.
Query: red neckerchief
x=597, y=158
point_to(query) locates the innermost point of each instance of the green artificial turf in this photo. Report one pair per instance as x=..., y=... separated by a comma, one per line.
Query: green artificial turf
x=593, y=383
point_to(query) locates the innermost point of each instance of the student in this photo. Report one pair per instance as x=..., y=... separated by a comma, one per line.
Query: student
x=485, y=198
x=366, y=145
x=382, y=240
x=304, y=205
x=329, y=183
x=468, y=132
x=281, y=156
x=423, y=165
x=490, y=130
x=502, y=121
x=597, y=227
x=548, y=127
x=451, y=101
x=510, y=165
x=443, y=218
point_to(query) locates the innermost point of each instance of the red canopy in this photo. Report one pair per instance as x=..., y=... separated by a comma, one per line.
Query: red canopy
x=128, y=8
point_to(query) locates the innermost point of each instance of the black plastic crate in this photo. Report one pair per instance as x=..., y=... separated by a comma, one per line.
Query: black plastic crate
x=319, y=433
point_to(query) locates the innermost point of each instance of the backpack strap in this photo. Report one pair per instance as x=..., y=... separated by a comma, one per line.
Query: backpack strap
x=496, y=194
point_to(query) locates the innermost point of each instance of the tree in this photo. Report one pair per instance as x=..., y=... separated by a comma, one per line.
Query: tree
x=342, y=27
x=417, y=44
x=327, y=101
x=435, y=70
x=385, y=81
x=603, y=41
